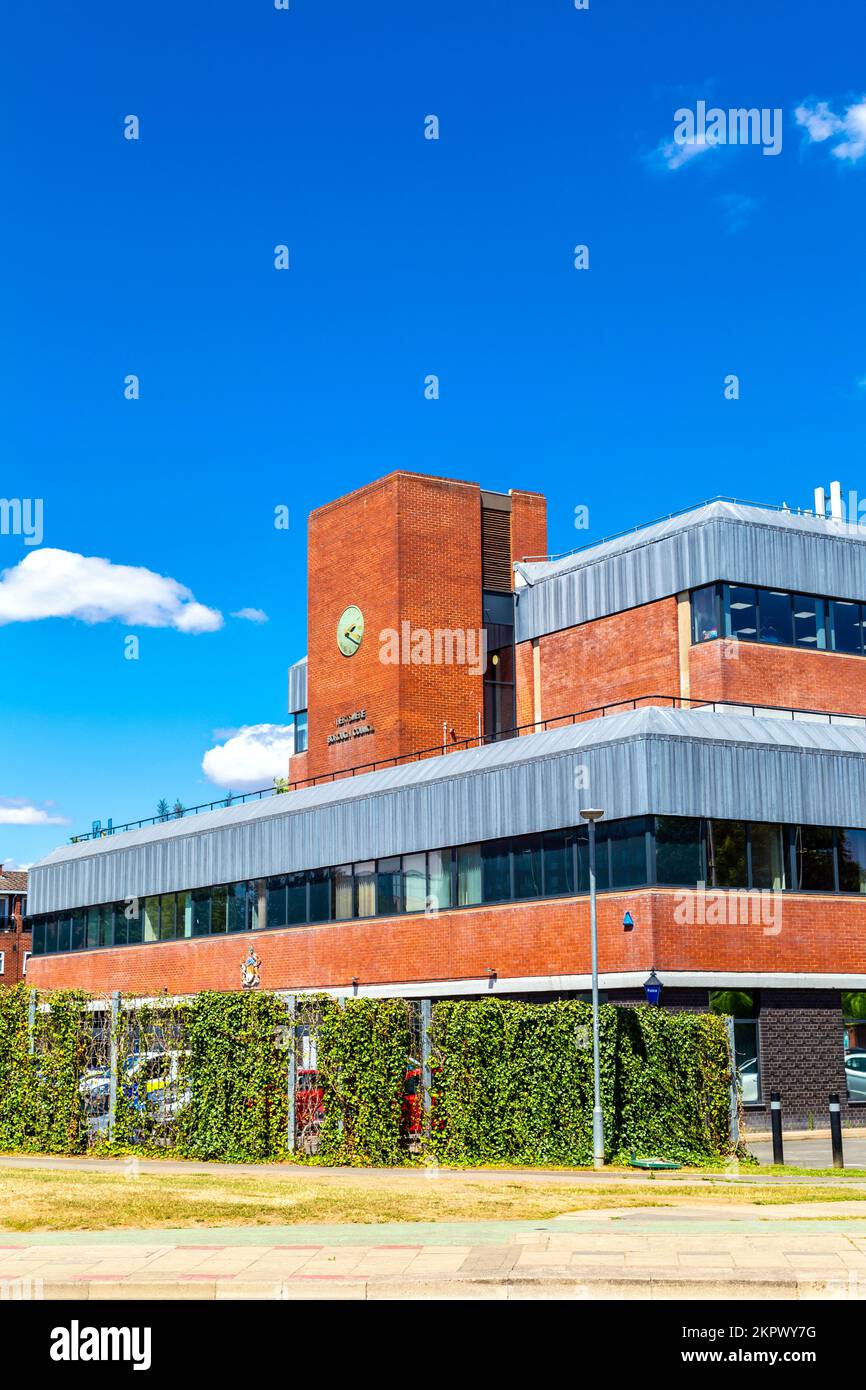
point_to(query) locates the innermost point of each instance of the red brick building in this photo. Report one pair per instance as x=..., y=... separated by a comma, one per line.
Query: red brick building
x=701, y=680
x=15, y=941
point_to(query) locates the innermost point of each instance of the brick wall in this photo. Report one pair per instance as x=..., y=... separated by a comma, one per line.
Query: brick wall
x=615, y=658
x=816, y=934
x=787, y=676
x=14, y=943
x=528, y=525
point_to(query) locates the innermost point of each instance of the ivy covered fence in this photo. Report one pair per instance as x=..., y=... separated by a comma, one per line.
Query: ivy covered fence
x=250, y=1076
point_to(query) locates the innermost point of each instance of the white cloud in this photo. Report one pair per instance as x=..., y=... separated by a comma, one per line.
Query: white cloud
x=738, y=209
x=61, y=584
x=24, y=813
x=847, y=132
x=251, y=615
x=251, y=758
x=674, y=155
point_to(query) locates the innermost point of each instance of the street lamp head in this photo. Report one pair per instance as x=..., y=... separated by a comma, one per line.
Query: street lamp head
x=653, y=988
x=591, y=815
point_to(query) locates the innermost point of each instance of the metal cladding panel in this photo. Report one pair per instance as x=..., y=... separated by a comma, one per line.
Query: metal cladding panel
x=721, y=540
x=298, y=686
x=670, y=762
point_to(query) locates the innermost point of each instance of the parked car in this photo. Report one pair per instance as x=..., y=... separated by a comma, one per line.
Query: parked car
x=151, y=1084
x=749, y=1081
x=855, y=1073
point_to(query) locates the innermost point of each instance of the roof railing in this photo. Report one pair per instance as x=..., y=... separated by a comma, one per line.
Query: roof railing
x=671, y=516
x=439, y=750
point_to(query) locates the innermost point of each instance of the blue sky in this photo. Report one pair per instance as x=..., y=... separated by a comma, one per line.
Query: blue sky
x=408, y=256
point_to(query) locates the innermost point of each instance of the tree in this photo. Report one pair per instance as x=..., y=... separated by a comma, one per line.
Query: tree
x=178, y=809
x=162, y=810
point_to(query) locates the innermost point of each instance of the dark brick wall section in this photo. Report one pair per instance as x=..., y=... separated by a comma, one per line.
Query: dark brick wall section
x=802, y=1057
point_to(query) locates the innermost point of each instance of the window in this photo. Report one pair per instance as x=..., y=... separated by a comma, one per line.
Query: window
x=79, y=931
x=628, y=862
x=415, y=882
x=854, y=1042
x=705, y=614
x=679, y=852
x=151, y=919
x=2, y=962
x=558, y=855
x=24, y=961
x=846, y=627
x=296, y=899
x=51, y=935
x=365, y=888
x=201, y=911
x=468, y=875
x=742, y=1007
x=814, y=859
x=852, y=861
x=440, y=886
x=64, y=933
x=183, y=920
x=727, y=865
x=741, y=613
x=527, y=866
x=39, y=938
x=218, y=906
x=343, y=904
x=496, y=871
x=275, y=912
x=301, y=731
x=237, y=906
x=775, y=621
x=809, y=622
x=167, y=917
x=389, y=886
x=766, y=847
x=93, y=928
x=320, y=895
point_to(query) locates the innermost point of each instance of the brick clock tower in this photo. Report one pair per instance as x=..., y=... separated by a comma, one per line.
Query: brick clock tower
x=410, y=618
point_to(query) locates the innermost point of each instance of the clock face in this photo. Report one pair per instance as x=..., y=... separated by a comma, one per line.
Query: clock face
x=350, y=630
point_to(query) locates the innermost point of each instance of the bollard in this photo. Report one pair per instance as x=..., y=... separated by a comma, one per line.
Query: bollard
x=776, y=1121
x=836, y=1130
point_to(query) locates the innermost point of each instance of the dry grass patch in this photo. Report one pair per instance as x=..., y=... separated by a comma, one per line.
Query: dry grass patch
x=34, y=1199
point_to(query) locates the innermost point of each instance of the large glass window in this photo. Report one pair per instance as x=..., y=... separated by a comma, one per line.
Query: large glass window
x=38, y=938
x=320, y=895
x=679, y=852
x=810, y=629
x=389, y=887
x=727, y=865
x=741, y=612
x=344, y=905
x=365, y=888
x=468, y=875
x=79, y=931
x=275, y=911
x=167, y=917
x=775, y=619
x=415, y=882
x=527, y=866
x=183, y=908
x=218, y=908
x=51, y=934
x=440, y=885
x=64, y=933
x=627, y=840
x=301, y=731
x=93, y=923
x=558, y=851
x=854, y=1041
x=151, y=919
x=496, y=871
x=846, y=627
x=814, y=859
x=201, y=905
x=767, y=846
x=119, y=928
x=852, y=861
x=296, y=899
x=705, y=614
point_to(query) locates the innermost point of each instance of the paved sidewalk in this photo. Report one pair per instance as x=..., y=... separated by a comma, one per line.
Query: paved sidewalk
x=654, y=1252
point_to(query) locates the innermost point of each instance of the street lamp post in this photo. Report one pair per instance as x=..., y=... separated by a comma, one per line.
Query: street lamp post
x=591, y=817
